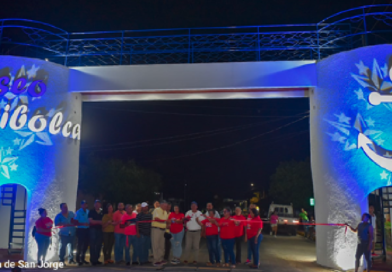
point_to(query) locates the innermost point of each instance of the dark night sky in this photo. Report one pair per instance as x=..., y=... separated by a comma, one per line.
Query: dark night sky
x=229, y=170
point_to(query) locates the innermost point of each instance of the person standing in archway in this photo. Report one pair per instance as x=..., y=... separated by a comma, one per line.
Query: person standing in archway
x=193, y=233
x=119, y=237
x=143, y=228
x=167, y=239
x=82, y=233
x=129, y=224
x=138, y=208
x=158, y=229
x=239, y=233
x=177, y=231
x=108, y=234
x=364, y=232
x=227, y=234
x=96, y=235
x=254, y=236
x=67, y=232
x=374, y=225
x=43, y=234
x=211, y=233
x=249, y=259
x=210, y=207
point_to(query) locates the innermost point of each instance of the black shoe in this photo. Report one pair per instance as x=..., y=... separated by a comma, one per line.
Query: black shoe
x=71, y=262
x=84, y=262
x=128, y=263
x=98, y=263
x=63, y=264
x=135, y=263
x=80, y=264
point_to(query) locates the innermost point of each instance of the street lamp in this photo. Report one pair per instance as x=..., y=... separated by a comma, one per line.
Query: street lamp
x=251, y=184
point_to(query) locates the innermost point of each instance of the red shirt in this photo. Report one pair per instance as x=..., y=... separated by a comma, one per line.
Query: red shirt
x=211, y=228
x=131, y=229
x=254, y=224
x=117, y=216
x=227, y=228
x=44, y=223
x=239, y=230
x=176, y=227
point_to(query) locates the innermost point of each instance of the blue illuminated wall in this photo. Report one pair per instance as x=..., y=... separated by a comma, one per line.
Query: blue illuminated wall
x=351, y=144
x=42, y=155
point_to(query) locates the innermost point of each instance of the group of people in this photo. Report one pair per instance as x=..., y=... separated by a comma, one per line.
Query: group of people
x=159, y=229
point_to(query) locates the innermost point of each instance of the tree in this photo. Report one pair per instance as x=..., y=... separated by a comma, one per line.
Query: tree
x=117, y=181
x=292, y=183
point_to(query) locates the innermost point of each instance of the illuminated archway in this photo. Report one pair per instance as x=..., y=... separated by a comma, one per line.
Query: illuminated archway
x=351, y=135
x=39, y=143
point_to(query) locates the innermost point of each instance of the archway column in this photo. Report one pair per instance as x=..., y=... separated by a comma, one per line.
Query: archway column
x=39, y=140
x=350, y=139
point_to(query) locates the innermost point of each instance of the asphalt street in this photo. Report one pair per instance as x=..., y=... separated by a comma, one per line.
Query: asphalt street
x=283, y=254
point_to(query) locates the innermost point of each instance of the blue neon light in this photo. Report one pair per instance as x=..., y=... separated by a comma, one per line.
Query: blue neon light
x=357, y=27
x=359, y=131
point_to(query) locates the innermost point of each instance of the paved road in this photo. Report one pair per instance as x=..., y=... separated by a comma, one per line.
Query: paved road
x=281, y=254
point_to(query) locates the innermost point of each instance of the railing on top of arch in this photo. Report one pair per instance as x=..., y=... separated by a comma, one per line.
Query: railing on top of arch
x=343, y=31
x=367, y=25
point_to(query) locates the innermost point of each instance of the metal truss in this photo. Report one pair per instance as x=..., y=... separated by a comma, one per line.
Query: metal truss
x=343, y=31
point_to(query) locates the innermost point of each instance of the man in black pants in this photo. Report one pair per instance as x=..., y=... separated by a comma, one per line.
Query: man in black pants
x=239, y=233
x=82, y=232
x=96, y=235
x=167, y=240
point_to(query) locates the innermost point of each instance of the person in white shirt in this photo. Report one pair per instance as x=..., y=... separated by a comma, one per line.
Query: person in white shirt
x=211, y=207
x=193, y=234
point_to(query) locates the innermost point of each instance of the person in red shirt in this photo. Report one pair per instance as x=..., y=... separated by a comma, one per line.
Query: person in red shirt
x=253, y=235
x=43, y=233
x=128, y=223
x=239, y=232
x=227, y=234
x=210, y=230
x=119, y=237
x=176, y=220
x=249, y=259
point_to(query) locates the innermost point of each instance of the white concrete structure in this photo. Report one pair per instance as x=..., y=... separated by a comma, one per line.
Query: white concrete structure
x=350, y=138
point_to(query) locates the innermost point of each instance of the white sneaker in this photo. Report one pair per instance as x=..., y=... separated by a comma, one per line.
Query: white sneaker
x=271, y=233
x=275, y=236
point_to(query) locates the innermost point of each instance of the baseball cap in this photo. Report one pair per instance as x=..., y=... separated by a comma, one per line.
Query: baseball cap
x=144, y=204
x=97, y=201
x=83, y=202
x=194, y=202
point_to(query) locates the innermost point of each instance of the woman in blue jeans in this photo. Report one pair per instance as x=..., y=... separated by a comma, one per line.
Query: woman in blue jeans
x=43, y=234
x=254, y=236
x=210, y=231
x=227, y=234
x=176, y=220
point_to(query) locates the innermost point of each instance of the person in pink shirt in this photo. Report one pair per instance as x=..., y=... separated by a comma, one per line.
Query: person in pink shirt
x=128, y=223
x=274, y=223
x=119, y=237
